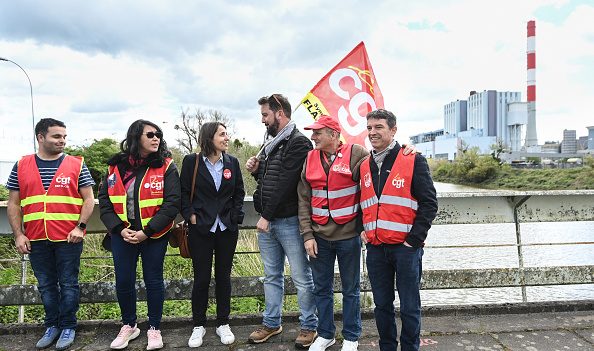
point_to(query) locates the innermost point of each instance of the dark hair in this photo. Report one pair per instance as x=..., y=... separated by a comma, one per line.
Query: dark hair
x=383, y=114
x=277, y=102
x=130, y=145
x=207, y=133
x=43, y=125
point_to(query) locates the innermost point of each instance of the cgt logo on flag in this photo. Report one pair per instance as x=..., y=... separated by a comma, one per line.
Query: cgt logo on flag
x=349, y=91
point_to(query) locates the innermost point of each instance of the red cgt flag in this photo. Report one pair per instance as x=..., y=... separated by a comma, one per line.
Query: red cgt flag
x=348, y=92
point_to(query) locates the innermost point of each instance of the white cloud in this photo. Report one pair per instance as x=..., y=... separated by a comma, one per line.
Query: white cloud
x=104, y=67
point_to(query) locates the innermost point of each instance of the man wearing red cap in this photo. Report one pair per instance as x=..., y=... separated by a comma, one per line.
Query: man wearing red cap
x=330, y=224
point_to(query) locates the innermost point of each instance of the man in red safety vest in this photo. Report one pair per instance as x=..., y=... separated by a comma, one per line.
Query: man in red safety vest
x=50, y=201
x=330, y=224
x=399, y=203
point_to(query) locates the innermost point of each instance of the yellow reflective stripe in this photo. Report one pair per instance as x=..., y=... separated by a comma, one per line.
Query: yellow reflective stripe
x=120, y=199
x=150, y=202
x=32, y=199
x=50, y=216
x=58, y=199
x=62, y=216
x=145, y=221
x=123, y=217
x=32, y=216
x=55, y=199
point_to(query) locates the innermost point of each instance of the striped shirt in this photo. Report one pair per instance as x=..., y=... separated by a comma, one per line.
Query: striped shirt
x=47, y=170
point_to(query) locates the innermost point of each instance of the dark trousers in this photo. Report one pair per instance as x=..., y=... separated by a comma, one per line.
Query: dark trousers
x=202, y=247
x=56, y=267
x=125, y=260
x=348, y=253
x=384, y=262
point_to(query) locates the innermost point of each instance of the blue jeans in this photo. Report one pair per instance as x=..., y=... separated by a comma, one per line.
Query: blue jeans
x=56, y=266
x=383, y=262
x=125, y=260
x=284, y=240
x=348, y=252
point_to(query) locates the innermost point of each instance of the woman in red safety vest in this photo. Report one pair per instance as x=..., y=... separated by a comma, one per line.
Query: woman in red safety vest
x=139, y=200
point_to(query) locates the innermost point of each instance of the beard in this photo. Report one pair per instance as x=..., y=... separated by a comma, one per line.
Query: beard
x=52, y=149
x=272, y=129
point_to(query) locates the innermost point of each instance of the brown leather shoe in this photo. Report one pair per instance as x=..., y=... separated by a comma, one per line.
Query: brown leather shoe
x=263, y=333
x=305, y=338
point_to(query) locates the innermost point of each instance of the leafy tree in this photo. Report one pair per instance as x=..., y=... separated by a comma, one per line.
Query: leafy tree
x=191, y=123
x=497, y=149
x=3, y=193
x=96, y=155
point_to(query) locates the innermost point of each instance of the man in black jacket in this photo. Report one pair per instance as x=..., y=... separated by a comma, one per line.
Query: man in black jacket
x=277, y=170
x=399, y=203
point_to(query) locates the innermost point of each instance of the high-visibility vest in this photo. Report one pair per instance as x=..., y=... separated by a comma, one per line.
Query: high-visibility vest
x=389, y=219
x=50, y=214
x=150, y=194
x=333, y=195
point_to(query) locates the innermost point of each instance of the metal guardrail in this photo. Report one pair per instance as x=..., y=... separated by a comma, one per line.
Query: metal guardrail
x=454, y=208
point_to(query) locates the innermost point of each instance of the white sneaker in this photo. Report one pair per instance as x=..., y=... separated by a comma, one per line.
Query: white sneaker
x=155, y=340
x=126, y=334
x=321, y=344
x=349, y=345
x=227, y=337
x=196, y=338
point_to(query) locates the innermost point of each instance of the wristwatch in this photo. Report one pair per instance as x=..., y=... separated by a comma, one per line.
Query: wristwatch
x=82, y=225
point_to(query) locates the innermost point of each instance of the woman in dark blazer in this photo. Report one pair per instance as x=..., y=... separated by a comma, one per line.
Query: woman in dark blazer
x=213, y=217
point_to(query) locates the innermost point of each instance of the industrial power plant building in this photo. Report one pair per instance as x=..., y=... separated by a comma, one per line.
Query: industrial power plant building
x=484, y=119
x=488, y=118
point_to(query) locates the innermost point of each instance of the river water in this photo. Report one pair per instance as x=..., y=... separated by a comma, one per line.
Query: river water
x=506, y=257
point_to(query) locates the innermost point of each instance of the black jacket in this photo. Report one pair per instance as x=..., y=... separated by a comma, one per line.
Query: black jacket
x=227, y=202
x=422, y=189
x=171, y=197
x=277, y=176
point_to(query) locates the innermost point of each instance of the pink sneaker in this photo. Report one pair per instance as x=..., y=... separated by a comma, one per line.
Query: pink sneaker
x=126, y=334
x=155, y=341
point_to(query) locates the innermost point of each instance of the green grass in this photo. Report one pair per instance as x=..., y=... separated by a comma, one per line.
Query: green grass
x=482, y=171
x=97, y=266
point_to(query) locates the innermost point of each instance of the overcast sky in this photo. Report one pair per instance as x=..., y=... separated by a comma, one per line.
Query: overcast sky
x=100, y=65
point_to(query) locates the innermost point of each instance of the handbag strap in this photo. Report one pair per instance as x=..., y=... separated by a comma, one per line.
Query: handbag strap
x=194, y=179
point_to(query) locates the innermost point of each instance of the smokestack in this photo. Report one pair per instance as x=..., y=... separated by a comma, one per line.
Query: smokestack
x=531, y=139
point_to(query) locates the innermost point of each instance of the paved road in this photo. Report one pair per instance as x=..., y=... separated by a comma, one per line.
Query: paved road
x=530, y=331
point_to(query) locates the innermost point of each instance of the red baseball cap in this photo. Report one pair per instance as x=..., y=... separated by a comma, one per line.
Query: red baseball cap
x=324, y=122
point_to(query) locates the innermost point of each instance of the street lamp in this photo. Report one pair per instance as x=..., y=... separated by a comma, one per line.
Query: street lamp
x=31, y=90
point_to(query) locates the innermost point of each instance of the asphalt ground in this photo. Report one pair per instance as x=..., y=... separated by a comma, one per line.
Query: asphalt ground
x=523, y=330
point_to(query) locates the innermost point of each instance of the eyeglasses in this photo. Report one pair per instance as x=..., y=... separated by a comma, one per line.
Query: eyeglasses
x=151, y=135
x=277, y=101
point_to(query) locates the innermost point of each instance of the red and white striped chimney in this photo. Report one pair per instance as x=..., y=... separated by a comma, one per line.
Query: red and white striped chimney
x=531, y=139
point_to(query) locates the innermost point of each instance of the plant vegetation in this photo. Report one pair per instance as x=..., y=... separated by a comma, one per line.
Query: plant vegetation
x=485, y=171
x=97, y=266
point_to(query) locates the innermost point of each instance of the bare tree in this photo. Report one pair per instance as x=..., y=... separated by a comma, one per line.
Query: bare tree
x=191, y=124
